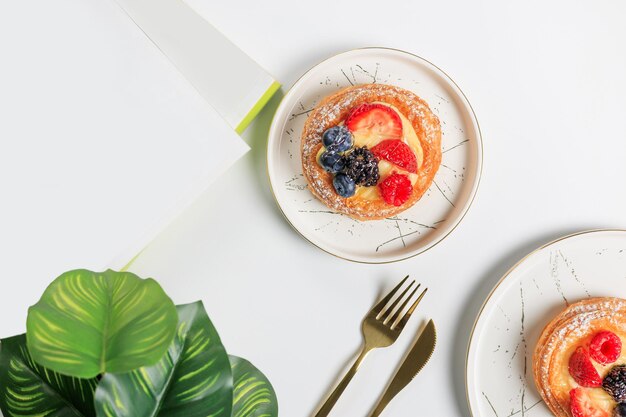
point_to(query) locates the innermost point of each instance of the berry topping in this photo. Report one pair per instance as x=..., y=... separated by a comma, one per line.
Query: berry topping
x=344, y=185
x=396, y=189
x=582, y=370
x=396, y=152
x=615, y=383
x=362, y=167
x=339, y=137
x=583, y=405
x=605, y=347
x=332, y=161
x=370, y=123
x=619, y=410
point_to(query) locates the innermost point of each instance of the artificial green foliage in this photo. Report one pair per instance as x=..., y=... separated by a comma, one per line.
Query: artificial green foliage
x=253, y=395
x=88, y=323
x=193, y=379
x=29, y=390
x=112, y=344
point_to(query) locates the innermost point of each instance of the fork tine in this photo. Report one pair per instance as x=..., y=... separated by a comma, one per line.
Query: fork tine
x=384, y=316
x=382, y=303
x=393, y=320
x=407, y=316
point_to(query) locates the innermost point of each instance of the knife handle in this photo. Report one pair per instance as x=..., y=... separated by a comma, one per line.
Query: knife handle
x=417, y=357
x=389, y=394
x=341, y=387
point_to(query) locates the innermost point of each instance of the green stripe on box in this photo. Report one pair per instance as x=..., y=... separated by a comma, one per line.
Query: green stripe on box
x=254, y=111
x=125, y=267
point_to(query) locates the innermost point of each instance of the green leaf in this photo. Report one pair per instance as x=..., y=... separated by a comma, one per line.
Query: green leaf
x=87, y=323
x=193, y=379
x=253, y=395
x=29, y=390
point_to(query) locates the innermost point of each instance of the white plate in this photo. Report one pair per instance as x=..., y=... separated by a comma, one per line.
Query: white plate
x=499, y=368
x=427, y=222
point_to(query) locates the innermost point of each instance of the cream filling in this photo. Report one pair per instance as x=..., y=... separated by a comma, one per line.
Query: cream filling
x=386, y=168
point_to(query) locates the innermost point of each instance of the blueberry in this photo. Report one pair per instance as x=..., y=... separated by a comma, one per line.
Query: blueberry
x=338, y=136
x=344, y=185
x=620, y=410
x=332, y=161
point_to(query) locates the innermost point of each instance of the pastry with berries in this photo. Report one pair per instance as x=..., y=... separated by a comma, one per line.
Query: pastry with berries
x=579, y=365
x=371, y=151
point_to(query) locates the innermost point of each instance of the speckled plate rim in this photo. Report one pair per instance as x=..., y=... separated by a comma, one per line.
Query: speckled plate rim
x=274, y=135
x=471, y=342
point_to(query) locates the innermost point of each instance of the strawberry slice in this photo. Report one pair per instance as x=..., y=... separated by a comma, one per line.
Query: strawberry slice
x=396, y=152
x=582, y=370
x=369, y=123
x=396, y=189
x=582, y=404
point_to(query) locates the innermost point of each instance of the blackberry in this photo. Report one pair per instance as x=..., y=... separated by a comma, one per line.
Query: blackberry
x=615, y=383
x=362, y=167
x=620, y=410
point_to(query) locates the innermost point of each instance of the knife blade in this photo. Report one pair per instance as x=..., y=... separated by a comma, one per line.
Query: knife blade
x=417, y=357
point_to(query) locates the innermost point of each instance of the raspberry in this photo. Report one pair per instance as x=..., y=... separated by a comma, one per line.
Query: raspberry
x=396, y=189
x=582, y=370
x=396, y=152
x=605, y=347
x=615, y=383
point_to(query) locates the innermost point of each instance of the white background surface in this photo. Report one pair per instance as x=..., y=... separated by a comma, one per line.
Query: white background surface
x=102, y=141
x=546, y=80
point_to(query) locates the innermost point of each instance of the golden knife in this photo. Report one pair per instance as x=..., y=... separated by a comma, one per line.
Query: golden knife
x=419, y=354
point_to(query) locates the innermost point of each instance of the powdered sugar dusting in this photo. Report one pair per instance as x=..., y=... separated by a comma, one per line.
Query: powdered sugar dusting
x=334, y=110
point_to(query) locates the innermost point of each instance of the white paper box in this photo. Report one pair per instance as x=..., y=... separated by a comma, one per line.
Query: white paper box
x=102, y=142
x=226, y=77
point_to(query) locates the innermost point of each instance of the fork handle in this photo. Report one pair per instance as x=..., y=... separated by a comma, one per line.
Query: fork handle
x=341, y=387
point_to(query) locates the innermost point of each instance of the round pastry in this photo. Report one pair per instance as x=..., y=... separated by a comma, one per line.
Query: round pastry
x=371, y=151
x=579, y=365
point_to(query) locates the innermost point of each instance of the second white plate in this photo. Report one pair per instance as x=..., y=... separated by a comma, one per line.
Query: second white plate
x=418, y=228
x=499, y=368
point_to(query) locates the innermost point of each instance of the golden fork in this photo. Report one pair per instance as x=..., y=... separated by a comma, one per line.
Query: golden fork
x=381, y=328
